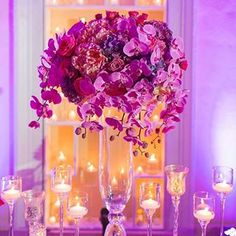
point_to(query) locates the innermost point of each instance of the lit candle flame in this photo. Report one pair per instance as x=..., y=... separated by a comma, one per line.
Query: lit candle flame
x=122, y=171
x=81, y=2
x=57, y=203
x=52, y=219
x=72, y=115
x=57, y=29
x=139, y=170
x=155, y=118
x=152, y=159
x=54, y=117
x=61, y=156
x=157, y=2
x=83, y=19
x=114, y=181
x=91, y=167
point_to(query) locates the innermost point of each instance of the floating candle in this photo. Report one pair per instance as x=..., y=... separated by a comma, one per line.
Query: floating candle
x=223, y=187
x=78, y=211
x=10, y=195
x=150, y=204
x=204, y=215
x=62, y=188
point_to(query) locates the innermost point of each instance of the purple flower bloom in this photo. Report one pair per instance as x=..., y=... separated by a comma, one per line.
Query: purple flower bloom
x=134, y=47
x=129, y=64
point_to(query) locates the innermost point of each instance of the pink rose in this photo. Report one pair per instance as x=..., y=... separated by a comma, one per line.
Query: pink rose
x=66, y=45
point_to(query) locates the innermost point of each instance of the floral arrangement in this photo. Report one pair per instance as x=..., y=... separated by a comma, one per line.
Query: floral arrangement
x=130, y=64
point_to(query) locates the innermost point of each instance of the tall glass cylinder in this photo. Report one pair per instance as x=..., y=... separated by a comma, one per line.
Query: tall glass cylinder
x=115, y=177
x=176, y=176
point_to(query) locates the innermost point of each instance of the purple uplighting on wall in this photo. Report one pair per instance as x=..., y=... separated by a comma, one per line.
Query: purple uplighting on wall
x=7, y=87
x=214, y=92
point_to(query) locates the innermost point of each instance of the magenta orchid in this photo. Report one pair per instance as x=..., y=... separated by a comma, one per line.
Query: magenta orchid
x=130, y=64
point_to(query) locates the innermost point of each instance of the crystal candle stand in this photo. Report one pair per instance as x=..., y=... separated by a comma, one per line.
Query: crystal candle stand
x=77, y=208
x=33, y=201
x=203, y=209
x=176, y=176
x=61, y=180
x=150, y=201
x=222, y=183
x=11, y=188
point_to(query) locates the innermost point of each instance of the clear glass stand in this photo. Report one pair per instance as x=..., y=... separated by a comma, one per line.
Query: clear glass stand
x=176, y=201
x=203, y=225
x=222, y=205
x=11, y=211
x=115, y=227
x=77, y=221
x=62, y=198
x=149, y=213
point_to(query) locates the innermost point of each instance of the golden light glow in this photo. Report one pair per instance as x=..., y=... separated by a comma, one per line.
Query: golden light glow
x=139, y=170
x=83, y=19
x=114, y=181
x=57, y=203
x=61, y=156
x=81, y=2
x=155, y=118
x=54, y=117
x=91, y=168
x=52, y=219
x=72, y=115
x=152, y=159
x=114, y=2
x=157, y=2
x=57, y=29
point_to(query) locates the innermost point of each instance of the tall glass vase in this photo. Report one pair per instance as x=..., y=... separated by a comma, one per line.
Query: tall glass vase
x=115, y=178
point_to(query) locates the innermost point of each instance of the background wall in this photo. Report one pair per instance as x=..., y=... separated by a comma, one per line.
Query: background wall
x=214, y=93
x=6, y=95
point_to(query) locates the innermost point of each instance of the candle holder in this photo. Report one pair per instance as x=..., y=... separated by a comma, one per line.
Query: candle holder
x=61, y=179
x=176, y=176
x=33, y=200
x=150, y=201
x=223, y=185
x=203, y=209
x=78, y=208
x=11, y=188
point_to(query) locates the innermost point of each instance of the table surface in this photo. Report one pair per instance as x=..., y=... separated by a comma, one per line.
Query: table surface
x=55, y=232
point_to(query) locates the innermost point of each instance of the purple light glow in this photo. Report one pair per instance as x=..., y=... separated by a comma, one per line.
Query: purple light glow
x=6, y=87
x=214, y=92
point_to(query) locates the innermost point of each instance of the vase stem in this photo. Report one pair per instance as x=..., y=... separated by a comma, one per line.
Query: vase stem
x=61, y=215
x=176, y=201
x=222, y=203
x=11, y=209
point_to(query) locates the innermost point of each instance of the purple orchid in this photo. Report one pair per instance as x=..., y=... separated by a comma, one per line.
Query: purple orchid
x=128, y=64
